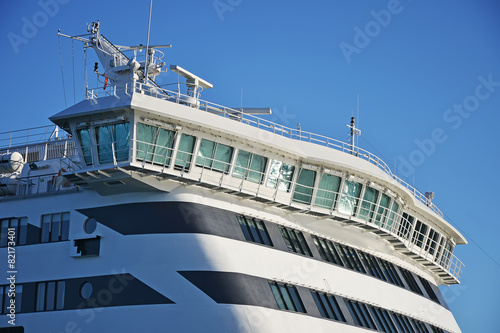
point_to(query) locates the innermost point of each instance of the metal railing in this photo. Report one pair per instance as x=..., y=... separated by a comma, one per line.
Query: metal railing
x=355, y=209
x=295, y=134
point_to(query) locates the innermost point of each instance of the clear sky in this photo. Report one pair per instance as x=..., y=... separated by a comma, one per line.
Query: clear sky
x=427, y=74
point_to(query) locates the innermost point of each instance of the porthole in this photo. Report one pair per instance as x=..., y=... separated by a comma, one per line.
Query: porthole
x=90, y=225
x=86, y=290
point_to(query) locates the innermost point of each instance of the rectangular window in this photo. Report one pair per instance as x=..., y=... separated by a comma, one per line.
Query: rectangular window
x=383, y=210
x=360, y=314
x=85, y=142
x=154, y=144
x=295, y=241
x=368, y=204
x=50, y=295
x=250, y=166
x=280, y=175
x=113, y=142
x=327, y=250
x=350, y=198
x=55, y=227
x=305, y=186
x=328, y=306
x=254, y=230
x=287, y=297
x=21, y=228
x=419, y=233
x=214, y=156
x=402, y=323
x=185, y=152
x=328, y=190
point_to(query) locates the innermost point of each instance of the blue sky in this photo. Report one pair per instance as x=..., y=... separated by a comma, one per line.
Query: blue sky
x=427, y=73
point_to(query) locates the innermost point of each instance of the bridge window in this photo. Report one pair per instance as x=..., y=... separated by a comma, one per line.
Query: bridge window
x=185, y=152
x=383, y=209
x=305, y=186
x=368, y=204
x=154, y=144
x=85, y=141
x=405, y=226
x=214, y=156
x=432, y=241
x=350, y=198
x=419, y=233
x=250, y=166
x=392, y=216
x=280, y=175
x=113, y=142
x=328, y=190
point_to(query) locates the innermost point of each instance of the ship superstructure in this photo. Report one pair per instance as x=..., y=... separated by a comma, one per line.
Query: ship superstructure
x=146, y=208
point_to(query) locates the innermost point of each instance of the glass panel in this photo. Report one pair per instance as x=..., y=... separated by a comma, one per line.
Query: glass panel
x=405, y=226
x=222, y=158
x=303, y=244
x=65, y=226
x=392, y=215
x=122, y=142
x=286, y=238
x=324, y=300
x=432, y=241
x=23, y=230
x=305, y=185
x=185, y=152
x=241, y=165
x=328, y=189
x=146, y=136
x=257, y=168
x=4, y=232
x=86, y=144
x=205, y=153
x=104, y=144
x=383, y=209
x=277, y=295
x=61, y=290
x=296, y=299
x=350, y=197
x=419, y=233
x=40, y=297
x=368, y=204
x=45, y=228
x=274, y=173
x=50, y=296
x=335, y=307
x=163, y=148
x=253, y=230
x=286, y=175
x=55, y=231
x=295, y=242
x=244, y=228
x=263, y=233
x=319, y=304
x=286, y=297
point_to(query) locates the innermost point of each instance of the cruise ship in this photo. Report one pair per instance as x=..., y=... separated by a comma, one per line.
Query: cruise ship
x=145, y=208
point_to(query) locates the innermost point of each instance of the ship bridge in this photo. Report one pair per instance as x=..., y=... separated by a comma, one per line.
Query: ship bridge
x=148, y=139
x=132, y=135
